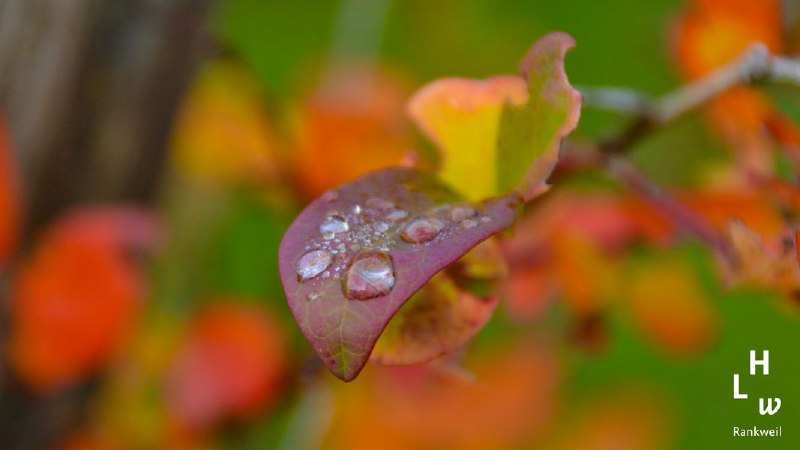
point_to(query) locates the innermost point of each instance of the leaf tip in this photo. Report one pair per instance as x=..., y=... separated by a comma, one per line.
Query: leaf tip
x=556, y=42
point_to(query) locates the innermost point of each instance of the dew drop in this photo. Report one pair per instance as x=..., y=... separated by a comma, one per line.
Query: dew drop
x=326, y=274
x=469, y=223
x=486, y=219
x=370, y=275
x=312, y=264
x=422, y=229
x=333, y=224
x=380, y=227
x=396, y=214
x=356, y=209
x=460, y=212
x=330, y=196
x=312, y=296
x=379, y=203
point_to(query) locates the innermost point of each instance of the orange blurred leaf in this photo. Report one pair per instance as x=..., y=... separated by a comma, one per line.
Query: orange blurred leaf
x=355, y=130
x=420, y=407
x=711, y=33
x=671, y=308
x=74, y=298
x=760, y=264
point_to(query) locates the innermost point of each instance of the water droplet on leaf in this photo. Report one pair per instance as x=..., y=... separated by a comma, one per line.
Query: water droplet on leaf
x=469, y=223
x=379, y=203
x=356, y=209
x=396, y=214
x=460, y=212
x=370, y=275
x=422, y=230
x=312, y=264
x=333, y=224
x=330, y=196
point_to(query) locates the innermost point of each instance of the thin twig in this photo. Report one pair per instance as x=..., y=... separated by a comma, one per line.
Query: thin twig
x=624, y=171
x=756, y=64
x=620, y=100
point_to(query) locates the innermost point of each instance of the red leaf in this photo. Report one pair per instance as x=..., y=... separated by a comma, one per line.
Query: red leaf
x=379, y=261
x=230, y=364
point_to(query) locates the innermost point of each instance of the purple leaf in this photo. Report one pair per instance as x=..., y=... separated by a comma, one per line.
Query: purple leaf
x=363, y=249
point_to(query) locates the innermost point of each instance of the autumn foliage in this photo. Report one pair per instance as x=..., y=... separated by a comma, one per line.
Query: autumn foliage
x=371, y=251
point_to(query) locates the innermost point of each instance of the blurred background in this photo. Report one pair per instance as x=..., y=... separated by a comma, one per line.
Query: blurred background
x=153, y=152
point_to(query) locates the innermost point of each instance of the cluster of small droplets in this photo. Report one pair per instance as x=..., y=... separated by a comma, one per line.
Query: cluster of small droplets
x=344, y=236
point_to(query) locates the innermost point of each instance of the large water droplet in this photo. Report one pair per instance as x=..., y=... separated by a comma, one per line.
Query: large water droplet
x=422, y=229
x=379, y=203
x=312, y=264
x=370, y=275
x=333, y=224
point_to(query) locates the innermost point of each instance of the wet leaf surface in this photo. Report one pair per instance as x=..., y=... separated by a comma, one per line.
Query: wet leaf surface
x=380, y=256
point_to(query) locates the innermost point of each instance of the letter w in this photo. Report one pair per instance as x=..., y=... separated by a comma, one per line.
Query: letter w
x=769, y=409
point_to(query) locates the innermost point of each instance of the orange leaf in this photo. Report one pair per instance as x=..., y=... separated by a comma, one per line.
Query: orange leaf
x=671, y=308
x=585, y=274
x=711, y=33
x=630, y=419
x=356, y=131
x=761, y=264
x=72, y=302
x=419, y=407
